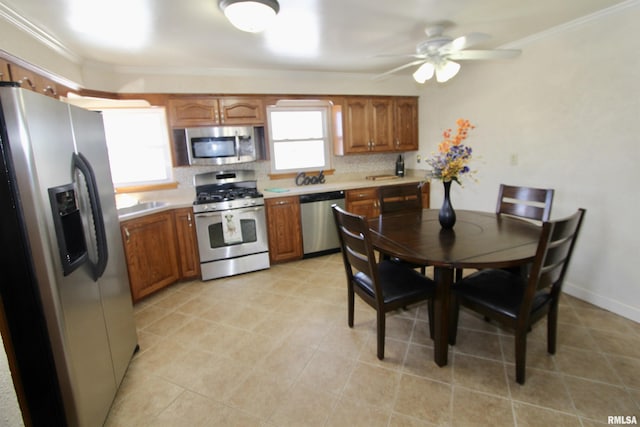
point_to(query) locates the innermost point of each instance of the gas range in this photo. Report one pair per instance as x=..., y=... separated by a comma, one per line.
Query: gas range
x=220, y=191
x=231, y=226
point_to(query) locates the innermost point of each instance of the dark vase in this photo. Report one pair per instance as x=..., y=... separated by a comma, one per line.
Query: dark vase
x=447, y=215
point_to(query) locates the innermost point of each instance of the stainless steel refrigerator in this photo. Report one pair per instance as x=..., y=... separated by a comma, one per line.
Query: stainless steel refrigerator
x=64, y=290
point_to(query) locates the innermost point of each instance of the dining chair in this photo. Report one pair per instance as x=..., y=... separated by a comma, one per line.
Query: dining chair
x=401, y=198
x=525, y=202
x=519, y=302
x=528, y=203
x=384, y=285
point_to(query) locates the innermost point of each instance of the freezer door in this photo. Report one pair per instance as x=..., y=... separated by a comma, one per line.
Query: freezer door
x=91, y=146
x=42, y=148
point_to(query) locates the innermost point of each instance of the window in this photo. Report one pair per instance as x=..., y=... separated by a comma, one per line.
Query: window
x=139, y=147
x=299, y=136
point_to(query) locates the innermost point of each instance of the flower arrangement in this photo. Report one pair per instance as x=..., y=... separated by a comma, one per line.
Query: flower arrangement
x=450, y=163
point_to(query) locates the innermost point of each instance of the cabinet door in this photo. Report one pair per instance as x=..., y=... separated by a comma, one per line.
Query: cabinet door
x=381, y=122
x=4, y=71
x=363, y=201
x=356, y=125
x=33, y=81
x=426, y=195
x=149, y=245
x=284, y=228
x=200, y=111
x=187, y=245
x=406, y=124
x=241, y=111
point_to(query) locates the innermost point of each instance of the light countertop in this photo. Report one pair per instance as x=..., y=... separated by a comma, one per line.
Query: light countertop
x=182, y=198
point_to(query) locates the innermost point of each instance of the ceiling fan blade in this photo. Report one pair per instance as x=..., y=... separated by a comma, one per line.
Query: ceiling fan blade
x=402, y=67
x=401, y=55
x=466, y=55
x=464, y=42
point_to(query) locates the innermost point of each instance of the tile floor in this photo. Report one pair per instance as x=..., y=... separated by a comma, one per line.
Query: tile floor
x=272, y=348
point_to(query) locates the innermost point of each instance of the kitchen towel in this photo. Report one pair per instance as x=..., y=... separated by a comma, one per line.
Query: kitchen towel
x=231, y=229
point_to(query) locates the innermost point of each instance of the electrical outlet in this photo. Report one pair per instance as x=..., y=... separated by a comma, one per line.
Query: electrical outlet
x=513, y=160
x=418, y=158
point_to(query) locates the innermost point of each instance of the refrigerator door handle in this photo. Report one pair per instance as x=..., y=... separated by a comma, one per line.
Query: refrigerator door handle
x=81, y=163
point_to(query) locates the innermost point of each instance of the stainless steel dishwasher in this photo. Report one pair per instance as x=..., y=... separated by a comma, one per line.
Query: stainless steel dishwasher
x=319, y=234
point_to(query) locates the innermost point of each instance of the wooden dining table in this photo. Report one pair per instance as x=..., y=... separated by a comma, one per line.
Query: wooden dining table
x=478, y=240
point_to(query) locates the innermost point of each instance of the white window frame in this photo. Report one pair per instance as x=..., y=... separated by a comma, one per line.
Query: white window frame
x=327, y=138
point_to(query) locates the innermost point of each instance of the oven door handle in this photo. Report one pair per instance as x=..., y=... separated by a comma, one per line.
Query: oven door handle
x=218, y=213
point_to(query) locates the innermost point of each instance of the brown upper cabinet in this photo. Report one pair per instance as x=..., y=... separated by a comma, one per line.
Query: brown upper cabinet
x=4, y=71
x=33, y=81
x=367, y=124
x=405, y=126
x=215, y=111
x=378, y=124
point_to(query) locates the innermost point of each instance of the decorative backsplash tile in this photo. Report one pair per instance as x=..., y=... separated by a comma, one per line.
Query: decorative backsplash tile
x=352, y=165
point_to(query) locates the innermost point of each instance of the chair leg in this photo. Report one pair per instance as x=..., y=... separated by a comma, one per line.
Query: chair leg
x=453, y=320
x=552, y=328
x=431, y=316
x=350, y=306
x=380, y=332
x=521, y=355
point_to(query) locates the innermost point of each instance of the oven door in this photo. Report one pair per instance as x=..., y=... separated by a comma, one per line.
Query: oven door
x=231, y=234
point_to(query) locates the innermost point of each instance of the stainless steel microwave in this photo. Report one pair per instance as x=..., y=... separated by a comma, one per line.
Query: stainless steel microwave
x=220, y=145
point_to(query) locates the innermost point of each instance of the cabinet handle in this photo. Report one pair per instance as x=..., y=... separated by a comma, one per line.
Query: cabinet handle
x=50, y=90
x=189, y=219
x=127, y=234
x=28, y=81
x=282, y=202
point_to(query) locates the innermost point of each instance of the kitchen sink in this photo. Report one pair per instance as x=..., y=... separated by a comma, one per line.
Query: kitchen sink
x=140, y=208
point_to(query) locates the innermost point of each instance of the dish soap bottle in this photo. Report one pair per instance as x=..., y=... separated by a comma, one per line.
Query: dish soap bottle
x=400, y=166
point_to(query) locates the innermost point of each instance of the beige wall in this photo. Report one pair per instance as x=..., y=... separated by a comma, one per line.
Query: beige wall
x=569, y=110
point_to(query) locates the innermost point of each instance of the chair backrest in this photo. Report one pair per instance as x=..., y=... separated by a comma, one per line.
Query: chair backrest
x=357, y=250
x=553, y=254
x=402, y=197
x=525, y=202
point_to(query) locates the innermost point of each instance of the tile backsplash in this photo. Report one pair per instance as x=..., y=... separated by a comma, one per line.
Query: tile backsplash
x=344, y=166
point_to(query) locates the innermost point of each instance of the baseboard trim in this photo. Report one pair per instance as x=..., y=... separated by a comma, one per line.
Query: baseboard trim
x=617, y=307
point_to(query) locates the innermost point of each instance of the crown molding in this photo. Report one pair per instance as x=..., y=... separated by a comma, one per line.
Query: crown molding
x=567, y=26
x=37, y=33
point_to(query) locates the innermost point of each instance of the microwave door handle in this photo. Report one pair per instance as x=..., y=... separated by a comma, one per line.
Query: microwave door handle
x=238, y=145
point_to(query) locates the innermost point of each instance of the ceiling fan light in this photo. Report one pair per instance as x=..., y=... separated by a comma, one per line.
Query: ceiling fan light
x=424, y=72
x=252, y=16
x=446, y=71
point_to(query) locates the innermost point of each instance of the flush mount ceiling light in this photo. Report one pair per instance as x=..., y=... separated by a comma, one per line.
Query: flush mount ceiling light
x=251, y=16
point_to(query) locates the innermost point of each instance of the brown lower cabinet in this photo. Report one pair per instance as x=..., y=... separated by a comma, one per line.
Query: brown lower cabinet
x=284, y=228
x=188, y=257
x=150, y=250
x=363, y=201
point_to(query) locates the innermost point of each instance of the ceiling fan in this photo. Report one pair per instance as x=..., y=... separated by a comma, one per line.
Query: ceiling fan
x=436, y=55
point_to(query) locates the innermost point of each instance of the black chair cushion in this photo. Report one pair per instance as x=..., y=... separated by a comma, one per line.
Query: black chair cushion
x=498, y=290
x=398, y=282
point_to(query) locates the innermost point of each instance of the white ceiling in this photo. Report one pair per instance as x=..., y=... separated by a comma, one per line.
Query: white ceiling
x=309, y=35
